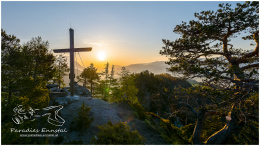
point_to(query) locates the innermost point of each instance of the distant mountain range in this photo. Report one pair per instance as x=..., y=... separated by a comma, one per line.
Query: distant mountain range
x=157, y=67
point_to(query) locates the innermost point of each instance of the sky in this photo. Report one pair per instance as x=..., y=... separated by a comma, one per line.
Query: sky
x=119, y=32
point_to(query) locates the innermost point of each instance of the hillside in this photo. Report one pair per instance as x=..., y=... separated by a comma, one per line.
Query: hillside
x=157, y=67
x=102, y=112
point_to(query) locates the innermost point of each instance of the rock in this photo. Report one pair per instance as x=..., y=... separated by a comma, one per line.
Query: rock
x=54, y=95
x=55, y=89
x=80, y=90
x=65, y=90
x=65, y=100
x=57, y=94
x=178, y=123
x=52, y=86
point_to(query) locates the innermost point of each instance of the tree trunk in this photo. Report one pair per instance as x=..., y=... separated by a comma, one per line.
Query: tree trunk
x=223, y=134
x=9, y=92
x=198, y=128
x=218, y=137
x=59, y=75
x=85, y=82
x=35, y=70
x=91, y=86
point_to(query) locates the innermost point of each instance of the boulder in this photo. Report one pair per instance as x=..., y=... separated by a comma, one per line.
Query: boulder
x=80, y=90
x=54, y=95
x=57, y=94
x=65, y=90
x=65, y=100
x=55, y=89
x=52, y=86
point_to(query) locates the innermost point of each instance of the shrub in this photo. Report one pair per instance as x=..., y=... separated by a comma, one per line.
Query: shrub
x=58, y=140
x=82, y=121
x=187, y=131
x=139, y=110
x=10, y=138
x=75, y=142
x=172, y=133
x=118, y=133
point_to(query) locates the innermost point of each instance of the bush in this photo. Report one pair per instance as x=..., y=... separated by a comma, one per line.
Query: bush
x=172, y=133
x=187, y=131
x=118, y=133
x=82, y=122
x=139, y=110
x=75, y=142
x=13, y=138
x=58, y=140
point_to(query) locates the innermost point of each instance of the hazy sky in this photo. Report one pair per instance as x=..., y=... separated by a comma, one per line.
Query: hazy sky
x=126, y=32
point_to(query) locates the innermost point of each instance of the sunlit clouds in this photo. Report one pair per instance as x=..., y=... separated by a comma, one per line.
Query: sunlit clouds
x=94, y=43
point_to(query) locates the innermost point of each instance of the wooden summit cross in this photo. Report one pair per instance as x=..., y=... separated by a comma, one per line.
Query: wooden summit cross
x=72, y=50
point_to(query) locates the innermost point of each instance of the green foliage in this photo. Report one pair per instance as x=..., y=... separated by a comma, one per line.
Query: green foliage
x=187, y=131
x=155, y=92
x=172, y=133
x=58, y=140
x=139, y=110
x=75, y=142
x=101, y=89
x=214, y=124
x=249, y=135
x=8, y=137
x=169, y=132
x=127, y=86
x=61, y=69
x=82, y=121
x=105, y=86
x=89, y=74
x=118, y=133
x=25, y=71
x=39, y=59
x=145, y=82
x=117, y=94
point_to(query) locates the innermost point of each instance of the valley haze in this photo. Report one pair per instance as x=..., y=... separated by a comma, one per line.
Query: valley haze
x=157, y=67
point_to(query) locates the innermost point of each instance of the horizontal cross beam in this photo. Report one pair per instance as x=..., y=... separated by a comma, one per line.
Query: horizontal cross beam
x=75, y=50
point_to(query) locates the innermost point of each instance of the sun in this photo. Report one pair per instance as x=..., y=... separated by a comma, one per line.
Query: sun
x=101, y=56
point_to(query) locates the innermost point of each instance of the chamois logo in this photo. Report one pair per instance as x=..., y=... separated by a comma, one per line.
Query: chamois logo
x=21, y=115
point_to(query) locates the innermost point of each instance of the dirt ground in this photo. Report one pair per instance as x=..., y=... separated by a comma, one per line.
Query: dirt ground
x=102, y=112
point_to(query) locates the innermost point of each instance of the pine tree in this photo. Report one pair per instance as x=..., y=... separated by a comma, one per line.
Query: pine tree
x=89, y=74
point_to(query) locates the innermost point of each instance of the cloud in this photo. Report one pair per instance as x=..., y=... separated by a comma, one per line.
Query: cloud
x=94, y=43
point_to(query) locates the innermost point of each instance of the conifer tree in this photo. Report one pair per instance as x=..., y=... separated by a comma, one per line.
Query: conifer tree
x=231, y=75
x=62, y=69
x=89, y=74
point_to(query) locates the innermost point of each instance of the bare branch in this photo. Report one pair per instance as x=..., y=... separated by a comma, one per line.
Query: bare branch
x=255, y=52
x=250, y=66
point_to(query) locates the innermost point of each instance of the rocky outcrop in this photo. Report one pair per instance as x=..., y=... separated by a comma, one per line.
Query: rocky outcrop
x=65, y=100
x=65, y=89
x=54, y=89
x=80, y=90
x=102, y=112
x=59, y=96
x=52, y=86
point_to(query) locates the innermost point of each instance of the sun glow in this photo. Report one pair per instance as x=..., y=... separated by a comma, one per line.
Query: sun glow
x=101, y=56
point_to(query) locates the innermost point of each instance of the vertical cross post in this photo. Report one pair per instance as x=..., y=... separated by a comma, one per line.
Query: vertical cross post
x=71, y=62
